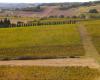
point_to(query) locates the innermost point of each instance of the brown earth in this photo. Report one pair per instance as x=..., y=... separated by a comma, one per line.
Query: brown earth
x=53, y=62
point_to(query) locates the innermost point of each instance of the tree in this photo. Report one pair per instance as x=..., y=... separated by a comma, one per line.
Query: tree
x=93, y=11
x=38, y=7
x=74, y=17
x=61, y=16
x=83, y=16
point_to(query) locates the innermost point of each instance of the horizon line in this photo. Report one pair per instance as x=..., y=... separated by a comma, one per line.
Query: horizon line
x=42, y=2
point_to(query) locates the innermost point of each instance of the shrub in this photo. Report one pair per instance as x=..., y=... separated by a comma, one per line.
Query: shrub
x=93, y=11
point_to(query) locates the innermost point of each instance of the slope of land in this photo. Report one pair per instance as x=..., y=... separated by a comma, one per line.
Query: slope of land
x=52, y=11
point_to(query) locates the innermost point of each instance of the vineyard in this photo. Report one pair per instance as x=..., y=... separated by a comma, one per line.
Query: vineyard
x=48, y=73
x=40, y=42
x=53, y=40
x=47, y=42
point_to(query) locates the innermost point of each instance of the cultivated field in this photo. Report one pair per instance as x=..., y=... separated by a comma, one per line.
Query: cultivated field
x=40, y=42
x=47, y=73
x=54, y=41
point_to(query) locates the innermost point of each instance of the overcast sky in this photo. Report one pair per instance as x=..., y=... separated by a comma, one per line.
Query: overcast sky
x=41, y=1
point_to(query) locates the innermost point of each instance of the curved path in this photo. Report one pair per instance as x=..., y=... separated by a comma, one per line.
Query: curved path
x=90, y=49
x=89, y=61
x=88, y=45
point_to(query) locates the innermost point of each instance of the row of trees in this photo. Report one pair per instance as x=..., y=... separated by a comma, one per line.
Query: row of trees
x=33, y=9
x=38, y=23
x=5, y=23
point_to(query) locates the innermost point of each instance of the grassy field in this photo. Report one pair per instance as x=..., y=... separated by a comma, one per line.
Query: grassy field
x=40, y=42
x=48, y=73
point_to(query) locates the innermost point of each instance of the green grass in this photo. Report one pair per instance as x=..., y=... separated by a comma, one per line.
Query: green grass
x=41, y=41
x=48, y=73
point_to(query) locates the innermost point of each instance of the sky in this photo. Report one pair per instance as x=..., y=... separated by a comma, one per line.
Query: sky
x=40, y=1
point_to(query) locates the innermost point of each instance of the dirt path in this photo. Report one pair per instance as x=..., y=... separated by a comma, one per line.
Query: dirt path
x=90, y=60
x=88, y=44
x=53, y=62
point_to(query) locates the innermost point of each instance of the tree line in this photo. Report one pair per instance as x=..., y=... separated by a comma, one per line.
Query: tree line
x=38, y=23
x=6, y=23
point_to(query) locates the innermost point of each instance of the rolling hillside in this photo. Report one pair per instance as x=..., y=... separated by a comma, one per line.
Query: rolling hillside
x=70, y=9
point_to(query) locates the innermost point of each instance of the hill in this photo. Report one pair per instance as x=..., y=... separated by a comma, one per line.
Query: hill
x=48, y=9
